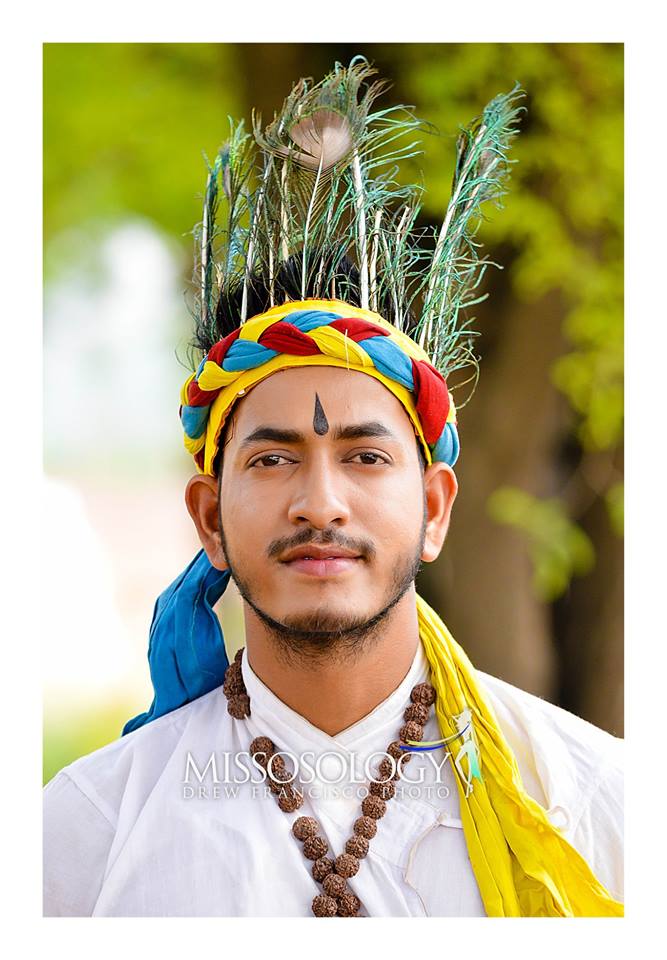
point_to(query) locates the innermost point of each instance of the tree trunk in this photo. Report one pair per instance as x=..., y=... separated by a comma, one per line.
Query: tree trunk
x=592, y=644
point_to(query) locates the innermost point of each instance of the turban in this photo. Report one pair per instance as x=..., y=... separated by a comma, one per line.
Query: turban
x=317, y=333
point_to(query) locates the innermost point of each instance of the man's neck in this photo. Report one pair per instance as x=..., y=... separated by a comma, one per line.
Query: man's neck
x=334, y=693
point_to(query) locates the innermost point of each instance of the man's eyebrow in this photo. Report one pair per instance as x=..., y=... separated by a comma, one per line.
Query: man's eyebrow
x=352, y=431
x=356, y=431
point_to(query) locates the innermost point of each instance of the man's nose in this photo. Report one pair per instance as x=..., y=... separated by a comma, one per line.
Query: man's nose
x=319, y=498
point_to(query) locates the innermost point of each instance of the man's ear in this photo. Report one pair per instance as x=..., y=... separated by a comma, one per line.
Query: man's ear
x=440, y=489
x=201, y=499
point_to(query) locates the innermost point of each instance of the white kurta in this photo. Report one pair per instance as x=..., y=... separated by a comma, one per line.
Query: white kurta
x=126, y=836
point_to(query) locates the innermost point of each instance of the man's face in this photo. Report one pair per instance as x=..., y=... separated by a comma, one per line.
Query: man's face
x=322, y=499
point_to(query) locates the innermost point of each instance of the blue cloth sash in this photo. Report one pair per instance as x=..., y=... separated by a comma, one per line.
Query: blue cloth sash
x=186, y=648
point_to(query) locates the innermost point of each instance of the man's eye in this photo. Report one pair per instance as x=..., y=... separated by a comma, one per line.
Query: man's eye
x=370, y=458
x=269, y=460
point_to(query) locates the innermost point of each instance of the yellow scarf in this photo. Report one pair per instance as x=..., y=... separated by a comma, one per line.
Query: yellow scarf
x=524, y=866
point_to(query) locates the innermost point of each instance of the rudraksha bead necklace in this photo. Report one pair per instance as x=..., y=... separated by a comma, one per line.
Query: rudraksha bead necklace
x=337, y=900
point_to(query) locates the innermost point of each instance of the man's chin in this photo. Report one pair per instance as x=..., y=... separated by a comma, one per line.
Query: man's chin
x=328, y=629
x=328, y=623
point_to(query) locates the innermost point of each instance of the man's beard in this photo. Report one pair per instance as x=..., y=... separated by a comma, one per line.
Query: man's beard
x=320, y=634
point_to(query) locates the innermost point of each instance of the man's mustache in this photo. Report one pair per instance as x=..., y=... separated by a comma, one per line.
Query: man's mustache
x=328, y=536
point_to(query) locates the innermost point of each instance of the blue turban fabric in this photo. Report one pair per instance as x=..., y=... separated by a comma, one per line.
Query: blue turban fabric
x=186, y=648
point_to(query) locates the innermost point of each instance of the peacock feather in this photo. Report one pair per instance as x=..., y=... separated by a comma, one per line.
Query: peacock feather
x=313, y=207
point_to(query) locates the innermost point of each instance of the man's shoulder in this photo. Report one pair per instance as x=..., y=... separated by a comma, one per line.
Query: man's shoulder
x=92, y=805
x=572, y=768
x=559, y=753
x=138, y=759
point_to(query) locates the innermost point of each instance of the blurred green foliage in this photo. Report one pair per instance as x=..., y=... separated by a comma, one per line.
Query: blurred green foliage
x=558, y=548
x=81, y=731
x=125, y=125
x=564, y=219
x=565, y=213
x=615, y=502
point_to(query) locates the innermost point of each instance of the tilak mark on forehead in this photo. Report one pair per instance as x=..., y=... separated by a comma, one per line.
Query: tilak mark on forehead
x=320, y=422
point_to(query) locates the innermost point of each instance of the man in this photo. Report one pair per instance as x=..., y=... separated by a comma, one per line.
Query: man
x=351, y=762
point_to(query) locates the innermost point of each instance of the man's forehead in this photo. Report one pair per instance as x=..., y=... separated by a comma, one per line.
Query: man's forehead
x=288, y=398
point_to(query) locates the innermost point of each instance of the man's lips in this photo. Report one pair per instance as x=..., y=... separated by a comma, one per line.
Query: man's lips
x=322, y=567
x=321, y=560
x=318, y=551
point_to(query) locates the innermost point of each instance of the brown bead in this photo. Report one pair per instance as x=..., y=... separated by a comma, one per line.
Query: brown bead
x=366, y=827
x=278, y=772
x=233, y=672
x=387, y=770
x=423, y=693
x=315, y=847
x=334, y=885
x=305, y=827
x=347, y=865
x=262, y=748
x=385, y=790
x=417, y=712
x=278, y=784
x=373, y=807
x=322, y=868
x=289, y=801
x=275, y=787
x=324, y=906
x=357, y=846
x=349, y=905
x=400, y=755
x=239, y=706
x=411, y=731
x=233, y=685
